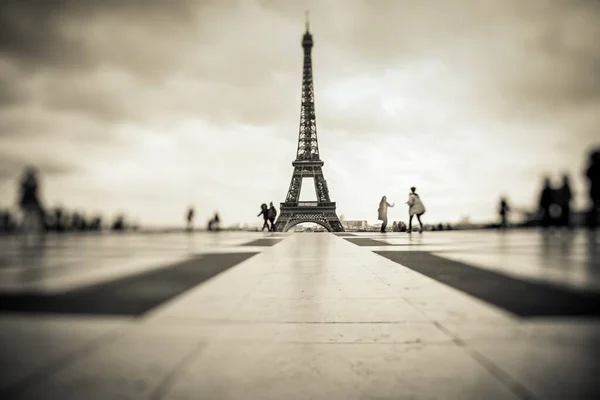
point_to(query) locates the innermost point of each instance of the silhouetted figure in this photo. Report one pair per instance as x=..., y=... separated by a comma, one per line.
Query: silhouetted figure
x=547, y=201
x=33, y=214
x=96, y=224
x=10, y=222
x=119, y=224
x=503, y=211
x=440, y=227
x=382, y=212
x=395, y=226
x=415, y=207
x=4, y=221
x=264, y=211
x=563, y=200
x=190, y=219
x=593, y=176
x=59, y=223
x=214, y=223
x=75, y=221
x=82, y=224
x=272, y=216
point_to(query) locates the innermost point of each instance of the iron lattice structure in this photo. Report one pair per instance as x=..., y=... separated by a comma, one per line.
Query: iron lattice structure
x=308, y=163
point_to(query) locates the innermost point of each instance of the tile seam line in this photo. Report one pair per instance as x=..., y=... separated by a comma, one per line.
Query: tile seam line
x=495, y=371
x=149, y=315
x=516, y=387
x=168, y=382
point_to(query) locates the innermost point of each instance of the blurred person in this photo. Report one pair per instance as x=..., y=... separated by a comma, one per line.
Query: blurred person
x=563, y=200
x=415, y=207
x=593, y=176
x=382, y=212
x=272, y=215
x=190, y=219
x=217, y=222
x=59, y=223
x=547, y=204
x=119, y=223
x=504, y=210
x=29, y=202
x=4, y=221
x=264, y=211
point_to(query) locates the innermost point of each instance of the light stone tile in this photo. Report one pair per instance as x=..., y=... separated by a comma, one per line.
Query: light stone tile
x=197, y=306
x=335, y=371
x=326, y=310
x=560, y=331
x=403, y=332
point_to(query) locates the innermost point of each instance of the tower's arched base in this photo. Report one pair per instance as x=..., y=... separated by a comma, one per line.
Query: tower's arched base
x=292, y=214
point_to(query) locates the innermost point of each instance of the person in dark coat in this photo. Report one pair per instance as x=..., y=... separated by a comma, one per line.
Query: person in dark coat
x=264, y=211
x=272, y=214
x=547, y=200
x=33, y=215
x=190, y=219
x=563, y=200
x=593, y=176
x=504, y=210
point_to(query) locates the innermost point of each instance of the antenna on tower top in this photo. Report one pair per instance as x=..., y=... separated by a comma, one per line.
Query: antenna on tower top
x=306, y=12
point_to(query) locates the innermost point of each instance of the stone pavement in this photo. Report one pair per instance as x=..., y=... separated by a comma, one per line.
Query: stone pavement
x=443, y=315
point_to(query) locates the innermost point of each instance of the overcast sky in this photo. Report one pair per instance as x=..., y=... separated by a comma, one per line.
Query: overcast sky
x=149, y=106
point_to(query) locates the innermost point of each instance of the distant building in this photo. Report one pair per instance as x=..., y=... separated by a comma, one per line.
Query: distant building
x=354, y=225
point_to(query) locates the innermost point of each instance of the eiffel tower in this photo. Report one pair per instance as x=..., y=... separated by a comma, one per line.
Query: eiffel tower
x=308, y=164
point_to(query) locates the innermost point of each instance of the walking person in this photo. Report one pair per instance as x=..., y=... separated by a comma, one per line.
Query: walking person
x=563, y=199
x=33, y=213
x=265, y=213
x=190, y=219
x=382, y=212
x=272, y=213
x=415, y=207
x=547, y=204
x=504, y=210
x=593, y=176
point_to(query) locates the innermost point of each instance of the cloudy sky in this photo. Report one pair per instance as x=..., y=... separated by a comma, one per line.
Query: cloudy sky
x=148, y=106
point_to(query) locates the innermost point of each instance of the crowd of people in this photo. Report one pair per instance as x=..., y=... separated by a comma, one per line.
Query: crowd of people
x=555, y=202
x=35, y=218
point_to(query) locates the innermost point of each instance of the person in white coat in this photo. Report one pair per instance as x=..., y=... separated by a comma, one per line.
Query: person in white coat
x=415, y=207
x=382, y=212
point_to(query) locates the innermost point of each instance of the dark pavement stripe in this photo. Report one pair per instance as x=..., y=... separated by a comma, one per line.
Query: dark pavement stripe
x=263, y=242
x=131, y=296
x=520, y=297
x=366, y=242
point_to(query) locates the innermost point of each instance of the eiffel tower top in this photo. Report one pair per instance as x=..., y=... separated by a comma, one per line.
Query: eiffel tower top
x=307, y=42
x=308, y=146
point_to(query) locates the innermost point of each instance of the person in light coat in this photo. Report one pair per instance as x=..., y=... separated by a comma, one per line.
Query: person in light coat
x=415, y=207
x=382, y=212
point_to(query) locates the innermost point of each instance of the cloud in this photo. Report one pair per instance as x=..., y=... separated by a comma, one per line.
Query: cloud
x=126, y=60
